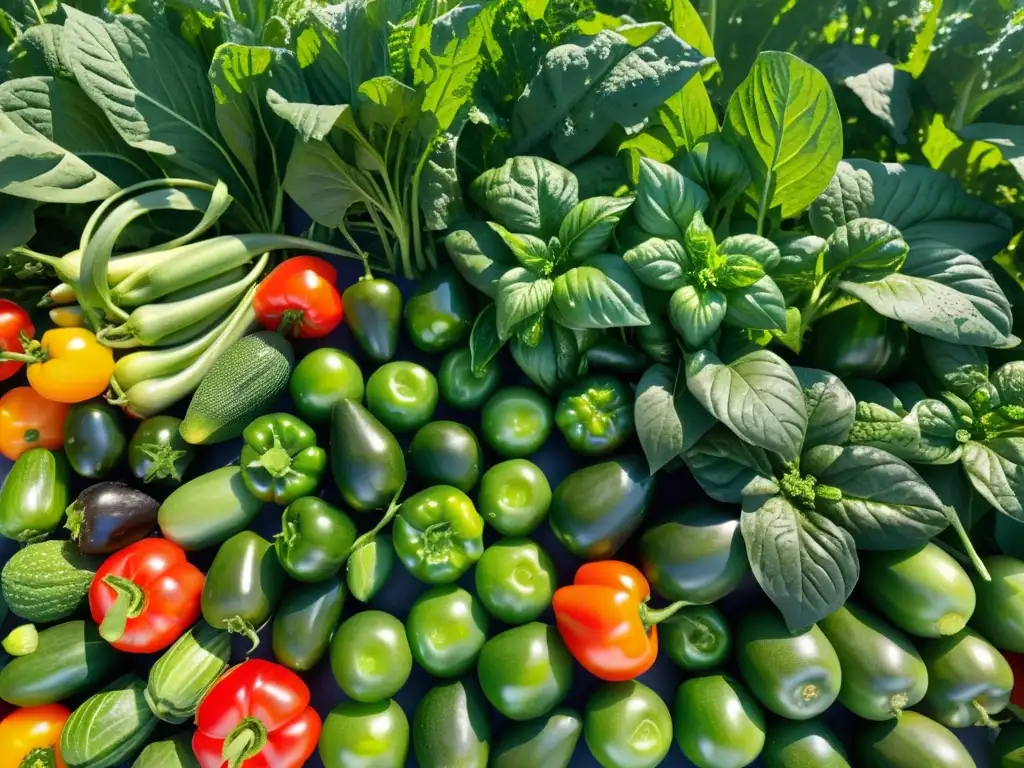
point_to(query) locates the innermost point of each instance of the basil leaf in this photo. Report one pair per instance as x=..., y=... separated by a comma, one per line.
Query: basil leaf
x=718, y=167
x=587, y=229
x=757, y=396
x=668, y=419
x=521, y=295
x=739, y=271
x=530, y=251
x=479, y=254
x=763, y=250
x=601, y=293
x=831, y=409
x=723, y=465
x=666, y=200
x=659, y=264
x=699, y=241
x=530, y=195
x=960, y=369
x=885, y=504
x=484, y=341
x=552, y=362
x=867, y=245
x=758, y=306
x=695, y=314
x=797, y=270
x=805, y=563
x=793, y=155
x=996, y=470
x=956, y=493
x=930, y=308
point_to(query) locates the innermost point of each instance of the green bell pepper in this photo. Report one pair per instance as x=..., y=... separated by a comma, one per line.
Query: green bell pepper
x=281, y=461
x=315, y=539
x=438, y=534
x=595, y=415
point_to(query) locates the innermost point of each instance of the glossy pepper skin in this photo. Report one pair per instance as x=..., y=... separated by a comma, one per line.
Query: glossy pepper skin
x=373, y=312
x=595, y=415
x=257, y=715
x=299, y=298
x=281, y=461
x=30, y=737
x=438, y=534
x=315, y=539
x=68, y=365
x=28, y=420
x=605, y=622
x=857, y=342
x=146, y=596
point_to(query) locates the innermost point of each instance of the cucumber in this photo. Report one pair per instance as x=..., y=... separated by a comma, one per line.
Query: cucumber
x=175, y=752
x=48, y=581
x=241, y=385
x=803, y=744
x=910, y=741
x=923, y=590
x=108, y=727
x=208, y=510
x=69, y=659
x=186, y=671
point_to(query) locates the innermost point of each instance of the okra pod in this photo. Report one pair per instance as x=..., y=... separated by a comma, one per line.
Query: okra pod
x=147, y=364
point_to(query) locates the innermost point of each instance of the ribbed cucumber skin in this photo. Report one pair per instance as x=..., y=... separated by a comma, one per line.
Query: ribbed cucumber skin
x=241, y=385
x=187, y=670
x=48, y=581
x=109, y=727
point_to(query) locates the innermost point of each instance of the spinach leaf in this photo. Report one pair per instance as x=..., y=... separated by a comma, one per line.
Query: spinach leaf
x=529, y=195
x=793, y=156
x=805, y=563
x=831, y=408
x=724, y=465
x=659, y=264
x=865, y=245
x=759, y=306
x=758, y=397
x=532, y=252
x=996, y=470
x=669, y=421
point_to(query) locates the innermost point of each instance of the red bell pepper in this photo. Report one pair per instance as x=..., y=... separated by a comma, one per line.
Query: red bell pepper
x=145, y=596
x=300, y=298
x=15, y=327
x=605, y=622
x=257, y=716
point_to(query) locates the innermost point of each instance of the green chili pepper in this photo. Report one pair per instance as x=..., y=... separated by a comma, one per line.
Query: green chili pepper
x=281, y=461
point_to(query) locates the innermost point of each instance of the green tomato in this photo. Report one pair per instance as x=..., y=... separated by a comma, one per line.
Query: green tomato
x=370, y=656
x=461, y=386
x=517, y=421
x=526, y=671
x=358, y=735
x=515, y=580
x=446, y=453
x=696, y=638
x=438, y=534
x=446, y=628
x=627, y=725
x=595, y=415
x=157, y=453
x=315, y=539
x=795, y=675
x=402, y=395
x=94, y=440
x=514, y=497
x=323, y=378
x=718, y=724
x=439, y=315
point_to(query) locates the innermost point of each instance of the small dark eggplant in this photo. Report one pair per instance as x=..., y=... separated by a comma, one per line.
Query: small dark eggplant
x=109, y=516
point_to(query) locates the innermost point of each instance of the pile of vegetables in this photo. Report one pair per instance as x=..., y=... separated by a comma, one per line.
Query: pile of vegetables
x=490, y=384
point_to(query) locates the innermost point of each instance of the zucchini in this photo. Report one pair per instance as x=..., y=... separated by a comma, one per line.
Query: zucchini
x=34, y=495
x=108, y=727
x=48, y=581
x=187, y=670
x=208, y=510
x=241, y=385
x=175, y=752
x=70, y=658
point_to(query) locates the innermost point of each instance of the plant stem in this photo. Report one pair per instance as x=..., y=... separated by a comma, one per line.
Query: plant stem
x=370, y=535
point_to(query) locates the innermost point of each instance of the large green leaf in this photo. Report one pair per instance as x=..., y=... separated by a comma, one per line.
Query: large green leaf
x=669, y=421
x=583, y=89
x=920, y=202
x=724, y=465
x=757, y=396
x=962, y=370
x=323, y=184
x=805, y=563
x=884, y=503
x=551, y=363
x=447, y=72
x=784, y=120
x=927, y=434
x=831, y=409
x=1008, y=139
x=154, y=91
x=521, y=295
x=866, y=245
x=996, y=470
x=57, y=110
x=600, y=293
x=530, y=195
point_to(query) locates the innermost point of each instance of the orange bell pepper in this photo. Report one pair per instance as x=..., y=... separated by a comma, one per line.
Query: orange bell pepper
x=68, y=365
x=28, y=420
x=31, y=736
x=605, y=622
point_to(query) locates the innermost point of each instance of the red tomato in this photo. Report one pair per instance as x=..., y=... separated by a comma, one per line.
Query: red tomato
x=29, y=420
x=299, y=298
x=14, y=321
